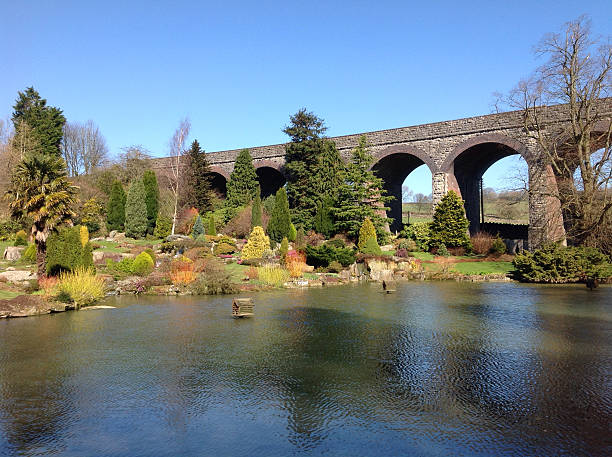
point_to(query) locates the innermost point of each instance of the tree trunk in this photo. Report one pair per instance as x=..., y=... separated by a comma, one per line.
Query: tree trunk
x=41, y=254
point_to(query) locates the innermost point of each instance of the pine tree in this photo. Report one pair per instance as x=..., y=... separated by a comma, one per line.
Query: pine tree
x=149, y=180
x=256, y=211
x=136, y=221
x=323, y=222
x=302, y=165
x=199, y=194
x=361, y=195
x=366, y=232
x=242, y=186
x=38, y=127
x=115, y=213
x=328, y=172
x=450, y=225
x=280, y=220
x=198, y=228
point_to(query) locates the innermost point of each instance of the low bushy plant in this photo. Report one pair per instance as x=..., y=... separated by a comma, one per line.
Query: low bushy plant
x=224, y=249
x=182, y=271
x=442, y=250
x=420, y=233
x=84, y=234
x=8, y=227
x=21, y=238
x=334, y=267
x=283, y=249
x=407, y=244
x=214, y=280
x=498, y=247
x=82, y=286
x=125, y=265
x=482, y=243
x=65, y=251
x=366, y=232
x=151, y=253
x=198, y=228
x=323, y=255
x=29, y=255
x=163, y=226
x=401, y=253
x=143, y=264
x=371, y=247
x=273, y=275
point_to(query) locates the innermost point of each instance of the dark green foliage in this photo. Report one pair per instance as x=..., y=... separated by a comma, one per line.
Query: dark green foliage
x=420, y=233
x=371, y=247
x=323, y=222
x=242, y=186
x=151, y=198
x=198, y=228
x=211, y=228
x=450, y=226
x=125, y=265
x=329, y=170
x=268, y=204
x=361, y=194
x=115, y=213
x=300, y=239
x=558, y=264
x=38, y=127
x=65, y=251
x=136, y=220
x=282, y=251
x=143, y=264
x=442, y=251
x=163, y=226
x=256, y=211
x=199, y=193
x=8, y=227
x=305, y=159
x=334, y=267
x=498, y=247
x=280, y=220
x=327, y=253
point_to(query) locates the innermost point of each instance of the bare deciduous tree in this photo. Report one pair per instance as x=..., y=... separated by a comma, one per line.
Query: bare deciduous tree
x=577, y=78
x=177, y=151
x=83, y=147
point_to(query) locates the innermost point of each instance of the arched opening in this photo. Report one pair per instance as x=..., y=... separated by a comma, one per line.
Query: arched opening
x=270, y=180
x=504, y=192
x=393, y=169
x=218, y=184
x=469, y=167
x=416, y=196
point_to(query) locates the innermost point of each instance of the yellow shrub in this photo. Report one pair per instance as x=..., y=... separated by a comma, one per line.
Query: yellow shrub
x=82, y=286
x=296, y=269
x=84, y=235
x=48, y=285
x=258, y=243
x=273, y=275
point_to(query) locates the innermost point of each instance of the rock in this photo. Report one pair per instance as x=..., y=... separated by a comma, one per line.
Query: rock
x=13, y=252
x=112, y=234
x=381, y=270
x=387, y=247
x=17, y=275
x=171, y=238
x=27, y=305
x=308, y=269
x=119, y=237
x=98, y=256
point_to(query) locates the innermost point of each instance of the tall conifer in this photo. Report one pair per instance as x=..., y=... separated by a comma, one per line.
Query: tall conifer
x=256, y=211
x=198, y=176
x=115, y=213
x=243, y=184
x=136, y=220
x=149, y=179
x=279, y=225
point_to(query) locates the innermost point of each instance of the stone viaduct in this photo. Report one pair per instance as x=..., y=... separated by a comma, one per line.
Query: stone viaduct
x=457, y=153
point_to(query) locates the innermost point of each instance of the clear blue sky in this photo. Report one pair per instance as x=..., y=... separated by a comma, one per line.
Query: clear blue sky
x=239, y=69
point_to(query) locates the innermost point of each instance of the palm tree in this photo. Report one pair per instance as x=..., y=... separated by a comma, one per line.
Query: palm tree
x=40, y=190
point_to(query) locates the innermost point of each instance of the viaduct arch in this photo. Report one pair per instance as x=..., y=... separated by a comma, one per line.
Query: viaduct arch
x=457, y=152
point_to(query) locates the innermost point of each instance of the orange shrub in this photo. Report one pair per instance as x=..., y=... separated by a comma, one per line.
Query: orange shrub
x=252, y=272
x=182, y=271
x=48, y=285
x=296, y=269
x=482, y=242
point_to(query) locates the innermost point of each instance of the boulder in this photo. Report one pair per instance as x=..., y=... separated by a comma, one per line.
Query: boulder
x=171, y=238
x=17, y=276
x=112, y=234
x=13, y=252
x=28, y=305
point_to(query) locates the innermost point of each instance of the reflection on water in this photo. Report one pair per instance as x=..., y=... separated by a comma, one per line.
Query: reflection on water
x=435, y=369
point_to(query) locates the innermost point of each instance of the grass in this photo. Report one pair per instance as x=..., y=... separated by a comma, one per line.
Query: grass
x=236, y=271
x=110, y=246
x=483, y=268
x=8, y=294
x=422, y=255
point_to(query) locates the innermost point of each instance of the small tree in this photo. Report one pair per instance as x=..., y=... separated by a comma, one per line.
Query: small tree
x=323, y=222
x=115, y=213
x=152, y=198
x=91, y=215
x=283, y=249
x=177, y=144
x=450, y=226
x=198, y=228
x=198, y=177
x=243, y=184
x=292, y=233
x=257, y=244
x=366, y=232
x=163, y=226
x=136, y=220
x=211, y=228
x=280, y=220
x=256, y=211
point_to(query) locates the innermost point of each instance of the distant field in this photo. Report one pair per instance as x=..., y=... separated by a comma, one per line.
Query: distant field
x=498, y=211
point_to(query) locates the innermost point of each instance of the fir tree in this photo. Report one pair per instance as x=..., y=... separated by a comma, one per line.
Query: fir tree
x=328, y=173
x=256, y=211
x=242, y=186
x=136, y=210
x=280, y=220
x=38, y=127
x=300, y=239
x=198, y=177
x=198, y=228
x=366, y=232
x=323, y=222
x=115, y=213
x=361, y=195
x=149, y=180
x=450, y=226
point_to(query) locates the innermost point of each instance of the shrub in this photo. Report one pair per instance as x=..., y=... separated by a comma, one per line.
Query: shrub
x=211, y=228
x=257, y=244
x=292, y=233
x=143, y=264
x=224, y=249
x=21, y=238
x=82, y=286
x=215, y=279
x=273, y=275
x=442, y=251
x=125, y=265
x=498, y=247
x=257, y=211
x=198, y=228
x=420, y=233
x=7, y=228
x=284, y=248
x=29, y=255
x=401, y=253
x=182, y=271
x=49, y=286
x=240, y=225
x=366, y=232
x=252, y=272
x=84, y=234
x=149, y=180
x=296, y=269
x=163, y=226
x=558, y=264
x=92, y=215
x=482, y=242
x=115, y=213
x=167, y=247
x=151, y=254
x=300, y=239
x=371, y=247
x=408, y=245
x=334, y=266
x=323, y=255
x=450, y=226
x=280, y=220
x=66, y=253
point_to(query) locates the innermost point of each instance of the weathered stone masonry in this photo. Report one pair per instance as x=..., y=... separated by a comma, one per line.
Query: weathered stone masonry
x=457, y=152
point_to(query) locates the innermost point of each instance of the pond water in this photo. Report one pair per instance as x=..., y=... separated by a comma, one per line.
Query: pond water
x=436, y=369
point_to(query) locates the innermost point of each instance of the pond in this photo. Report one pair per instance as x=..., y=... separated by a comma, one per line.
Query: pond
x=436, y=369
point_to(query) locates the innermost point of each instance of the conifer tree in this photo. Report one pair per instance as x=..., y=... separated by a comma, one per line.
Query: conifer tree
x=211, y=228
x=366, y=232
x=292, y=233
x=323, y=222
x=450, y=225
x=280, y=220
x=149, y=180
x=136, y=220
x=115, y=213
x=283, y=249
x=256, y=211
x=199, y=194
x=361, y=195
x=198, y=228
x=257, y=244
x=163, y=226
x=242, y=186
